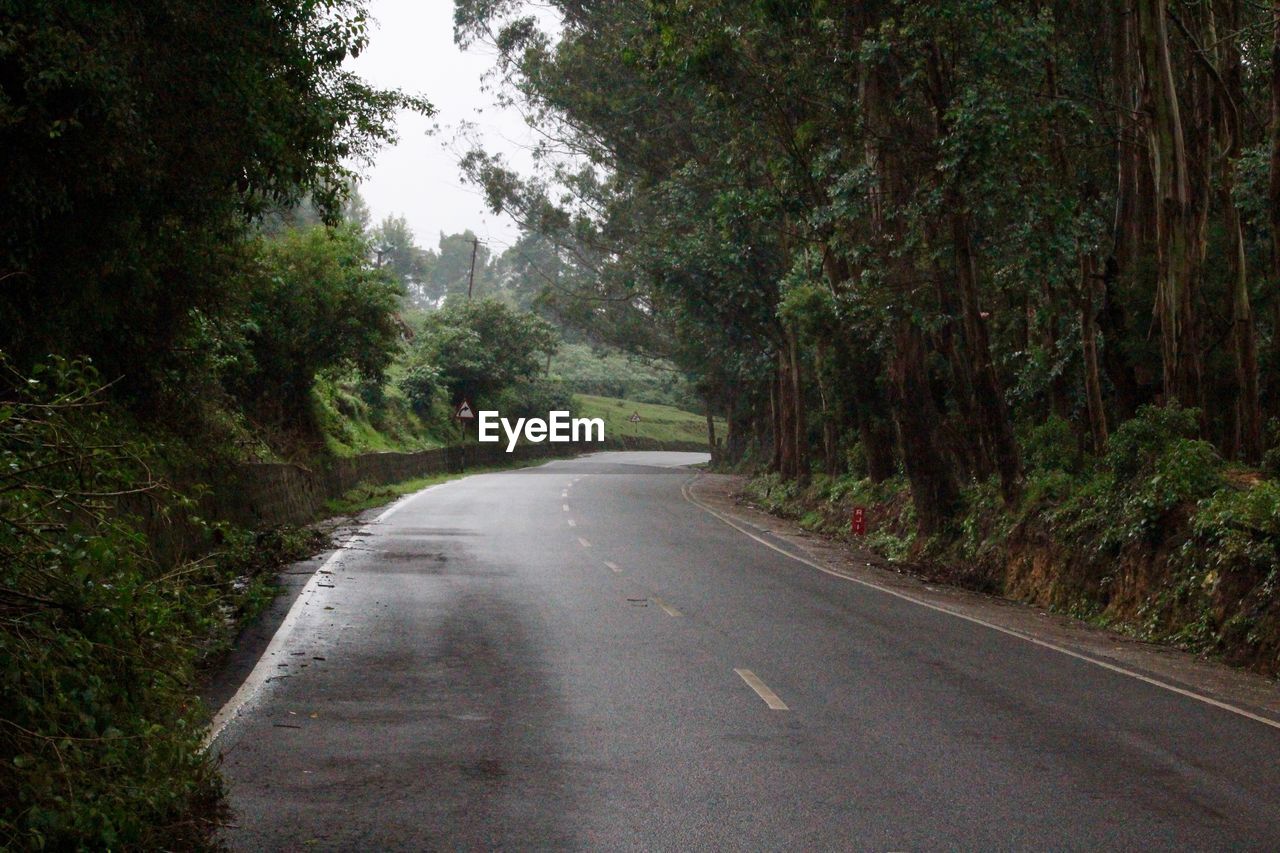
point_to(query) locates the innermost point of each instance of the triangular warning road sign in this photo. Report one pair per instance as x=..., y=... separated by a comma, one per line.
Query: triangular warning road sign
x=464, y=412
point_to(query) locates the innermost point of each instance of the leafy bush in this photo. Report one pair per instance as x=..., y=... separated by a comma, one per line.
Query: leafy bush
x=478, y=349
x=1240, y=532
x=1051, y=446
x=606, y=372
x=100, y=735
x=533, y=398
x=421, y=386
x=317, y=307
x=1137, y=442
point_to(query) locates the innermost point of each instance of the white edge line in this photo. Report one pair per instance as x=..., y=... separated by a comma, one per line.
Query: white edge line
x=1155, y=682
x=265, y=667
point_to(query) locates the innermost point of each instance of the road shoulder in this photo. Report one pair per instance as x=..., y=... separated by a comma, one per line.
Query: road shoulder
x=1205, y=680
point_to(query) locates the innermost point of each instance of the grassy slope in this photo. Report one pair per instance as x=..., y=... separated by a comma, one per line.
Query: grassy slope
x=662, y=423
x=351, y=426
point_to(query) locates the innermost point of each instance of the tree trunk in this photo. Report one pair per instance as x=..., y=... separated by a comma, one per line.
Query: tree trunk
x=1089, y=348
x=775, y=420
x=711, y=434
x=988, y=395
x=799, y=427
x=786, y=418
x=1179, y=240
x=934, y=491
x=1248, y=439
x=1274, y=186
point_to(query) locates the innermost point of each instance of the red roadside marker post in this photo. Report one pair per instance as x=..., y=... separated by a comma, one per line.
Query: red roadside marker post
x=858, y=522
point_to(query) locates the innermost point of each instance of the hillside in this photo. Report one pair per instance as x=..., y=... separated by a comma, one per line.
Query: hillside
x=657, y=422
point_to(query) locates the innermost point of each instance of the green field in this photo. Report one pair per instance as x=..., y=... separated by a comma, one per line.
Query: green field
x=662, y=423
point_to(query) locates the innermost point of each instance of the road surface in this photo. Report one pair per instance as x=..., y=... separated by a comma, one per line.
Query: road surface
x=576, y=656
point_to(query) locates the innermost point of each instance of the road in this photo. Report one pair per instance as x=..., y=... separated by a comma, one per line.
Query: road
x=576, y=656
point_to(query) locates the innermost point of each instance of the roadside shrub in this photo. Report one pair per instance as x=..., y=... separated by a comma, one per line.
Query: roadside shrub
x=421, y=387
x=1136, y=443
x=533, y=399
x=1051, y=446
x=99, y=733
x=1240, y=532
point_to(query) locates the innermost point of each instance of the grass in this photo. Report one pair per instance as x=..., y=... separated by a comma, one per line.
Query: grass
x=661, y=423
x=366, y=496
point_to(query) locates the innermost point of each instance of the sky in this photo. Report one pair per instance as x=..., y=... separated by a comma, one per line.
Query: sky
x=411, y=48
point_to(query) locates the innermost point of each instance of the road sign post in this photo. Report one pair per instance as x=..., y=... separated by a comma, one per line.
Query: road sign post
x=465, y=414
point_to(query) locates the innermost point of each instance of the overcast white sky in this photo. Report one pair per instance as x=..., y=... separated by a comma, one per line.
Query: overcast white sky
x=411, y=48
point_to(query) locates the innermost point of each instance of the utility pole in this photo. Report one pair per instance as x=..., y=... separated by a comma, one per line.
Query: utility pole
x=471, y=279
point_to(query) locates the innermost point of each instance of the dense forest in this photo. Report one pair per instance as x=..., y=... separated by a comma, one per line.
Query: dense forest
x=1005, y=271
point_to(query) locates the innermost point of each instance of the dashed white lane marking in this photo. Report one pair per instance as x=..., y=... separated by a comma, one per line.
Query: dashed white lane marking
x=584, y=543
x=565, y=493
x=573, y=523
x=762, y=690
x=671, y=611
x=1146, y=679
x=564, y=507
x=613, y=566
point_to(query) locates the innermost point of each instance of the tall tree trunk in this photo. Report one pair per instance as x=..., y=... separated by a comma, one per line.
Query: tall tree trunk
x=775, y=412
x=1089, y=349
x=867, y=404
x=978, y=459
x=799, y=427
x=988, y=394
x=786, y=437
x=711, y=434
x=1274, y=187
x=1179, y=238
x=830, y=432
x=934, y=491
x=993, y=413
x=1248, y=439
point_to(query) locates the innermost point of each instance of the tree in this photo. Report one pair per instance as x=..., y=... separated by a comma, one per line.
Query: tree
x=317, y=306
x=476, y=349
x=140, y=140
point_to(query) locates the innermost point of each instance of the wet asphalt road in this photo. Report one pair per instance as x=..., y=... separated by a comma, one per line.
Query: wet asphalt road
x=488, y=669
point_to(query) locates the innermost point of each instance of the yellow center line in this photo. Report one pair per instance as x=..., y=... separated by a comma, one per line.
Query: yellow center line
x=671, y=611
x=762, y=690
x=613, y=566
x=584, y=543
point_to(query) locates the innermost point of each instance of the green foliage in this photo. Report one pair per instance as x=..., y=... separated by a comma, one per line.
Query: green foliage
x=657, y=422
x=100, y=735
x=1051, y=446
x=476, y=350
x=141, y=139
x=316, y=307
x=608, y=372
x=1138, y=442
